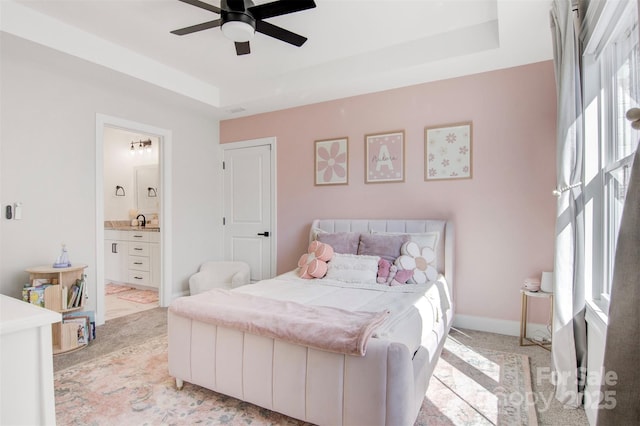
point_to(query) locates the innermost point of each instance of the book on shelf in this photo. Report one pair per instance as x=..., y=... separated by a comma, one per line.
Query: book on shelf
x=83, y=291
x=72, y=296
x=88, y=315
x=83, y=327
x=37, y=282
x=79, y=291
x=34, y=294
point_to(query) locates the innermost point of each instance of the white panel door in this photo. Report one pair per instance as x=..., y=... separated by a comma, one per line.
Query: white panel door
x=247, y=222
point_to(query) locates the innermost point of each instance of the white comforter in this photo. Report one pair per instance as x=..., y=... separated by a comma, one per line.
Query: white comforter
x=415, y=309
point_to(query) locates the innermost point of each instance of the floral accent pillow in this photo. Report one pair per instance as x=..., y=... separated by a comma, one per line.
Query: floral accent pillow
x=419, y=259
x=313, y=264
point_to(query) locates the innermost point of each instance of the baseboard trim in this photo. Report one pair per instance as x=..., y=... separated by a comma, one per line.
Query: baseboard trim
x=493, y=325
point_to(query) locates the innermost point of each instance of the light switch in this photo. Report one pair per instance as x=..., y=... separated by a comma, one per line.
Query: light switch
x=17, y=211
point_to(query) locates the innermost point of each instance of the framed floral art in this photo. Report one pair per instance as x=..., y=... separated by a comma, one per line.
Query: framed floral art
x=447, y=151
x=332, y=161
x=384, y=155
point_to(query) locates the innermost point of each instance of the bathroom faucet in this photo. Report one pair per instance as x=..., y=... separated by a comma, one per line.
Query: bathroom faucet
x=144, y=220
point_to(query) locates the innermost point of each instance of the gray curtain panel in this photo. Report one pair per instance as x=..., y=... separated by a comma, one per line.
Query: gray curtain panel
x=621, y=395
x=569, y=327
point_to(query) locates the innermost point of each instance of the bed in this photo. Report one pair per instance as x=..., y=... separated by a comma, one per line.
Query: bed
x=384, y=384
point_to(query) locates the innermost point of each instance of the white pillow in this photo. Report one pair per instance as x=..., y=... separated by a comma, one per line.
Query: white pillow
x=353, y=268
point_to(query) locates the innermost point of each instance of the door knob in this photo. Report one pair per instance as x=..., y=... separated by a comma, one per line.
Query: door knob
x=264, y=234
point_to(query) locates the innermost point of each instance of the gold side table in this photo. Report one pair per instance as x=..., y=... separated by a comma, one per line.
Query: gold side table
x=524, y=340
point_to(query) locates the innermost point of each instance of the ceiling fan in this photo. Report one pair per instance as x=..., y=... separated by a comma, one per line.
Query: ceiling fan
x=240, y=19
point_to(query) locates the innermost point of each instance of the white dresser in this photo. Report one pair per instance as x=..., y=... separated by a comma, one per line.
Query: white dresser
x=26, y=366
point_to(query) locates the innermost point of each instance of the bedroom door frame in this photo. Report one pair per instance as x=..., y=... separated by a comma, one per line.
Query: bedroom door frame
x=247, y=144
x=165, y=138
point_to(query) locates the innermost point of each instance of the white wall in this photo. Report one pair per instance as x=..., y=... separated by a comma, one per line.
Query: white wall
x=48, y=106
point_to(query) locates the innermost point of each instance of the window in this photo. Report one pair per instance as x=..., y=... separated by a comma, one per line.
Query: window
x=613, y=66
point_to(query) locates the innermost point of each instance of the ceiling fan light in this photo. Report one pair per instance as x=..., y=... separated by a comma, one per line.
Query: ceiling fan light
x=238, y=31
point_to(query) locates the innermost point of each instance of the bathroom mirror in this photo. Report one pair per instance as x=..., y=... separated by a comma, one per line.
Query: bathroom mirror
x=147, y=194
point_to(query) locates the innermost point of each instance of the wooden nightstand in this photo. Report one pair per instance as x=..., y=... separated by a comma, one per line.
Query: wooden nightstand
x=524, y=340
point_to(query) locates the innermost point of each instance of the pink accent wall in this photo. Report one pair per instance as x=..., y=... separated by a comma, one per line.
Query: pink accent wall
x=504, y=215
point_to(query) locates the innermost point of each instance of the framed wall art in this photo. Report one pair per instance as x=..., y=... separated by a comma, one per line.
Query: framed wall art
x=384, y=155
x=447, y=151
x=332, y=161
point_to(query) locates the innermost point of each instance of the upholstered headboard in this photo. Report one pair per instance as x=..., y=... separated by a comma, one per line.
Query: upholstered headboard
x=444, y=229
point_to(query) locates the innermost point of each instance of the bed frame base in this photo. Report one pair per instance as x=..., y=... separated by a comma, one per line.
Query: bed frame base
x=385, y=387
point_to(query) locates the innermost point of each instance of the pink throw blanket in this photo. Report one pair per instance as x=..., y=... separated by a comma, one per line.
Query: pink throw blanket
x=320, y=327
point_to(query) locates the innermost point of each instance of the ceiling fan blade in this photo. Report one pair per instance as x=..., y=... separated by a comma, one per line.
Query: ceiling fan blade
x=280, y=33
x=198, y=27
x=282, y=7
x=242, y=48
x=202, y=5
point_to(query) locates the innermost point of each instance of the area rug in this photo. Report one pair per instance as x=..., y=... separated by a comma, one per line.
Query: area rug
x=132, y=387
x=140, y=296
x=472, y=386
x=112, y=288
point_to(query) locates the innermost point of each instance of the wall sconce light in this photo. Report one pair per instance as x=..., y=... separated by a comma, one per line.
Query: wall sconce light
x=151, y=192
x=119, y=191
x=140, y=147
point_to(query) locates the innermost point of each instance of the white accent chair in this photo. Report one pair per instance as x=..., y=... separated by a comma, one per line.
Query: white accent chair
x=219, y=274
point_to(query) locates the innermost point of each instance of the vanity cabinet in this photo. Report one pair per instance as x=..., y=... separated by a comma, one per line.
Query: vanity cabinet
x=116, y=256
x=133, y=257
x=139, y=263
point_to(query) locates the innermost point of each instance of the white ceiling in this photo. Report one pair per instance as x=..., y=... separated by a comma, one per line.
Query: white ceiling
x=354, y=46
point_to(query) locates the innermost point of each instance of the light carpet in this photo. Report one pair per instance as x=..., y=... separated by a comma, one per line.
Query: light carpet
x=132, y=386
x=139, y=296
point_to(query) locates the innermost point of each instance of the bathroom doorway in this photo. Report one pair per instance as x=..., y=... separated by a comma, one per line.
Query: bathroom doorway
x=132, y=217
x=132, y=197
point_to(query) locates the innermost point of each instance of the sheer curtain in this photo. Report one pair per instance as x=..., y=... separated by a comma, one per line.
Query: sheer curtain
x=569, y=328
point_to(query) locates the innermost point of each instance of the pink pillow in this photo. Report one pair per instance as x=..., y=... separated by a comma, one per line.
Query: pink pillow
x=386, y=246
x=313, y=264
x=401, y=277
x=384, y=270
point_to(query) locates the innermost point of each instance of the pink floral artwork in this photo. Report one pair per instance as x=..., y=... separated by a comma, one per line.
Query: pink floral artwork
x=385, y=157
x=448, y=152
x=331, y=158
